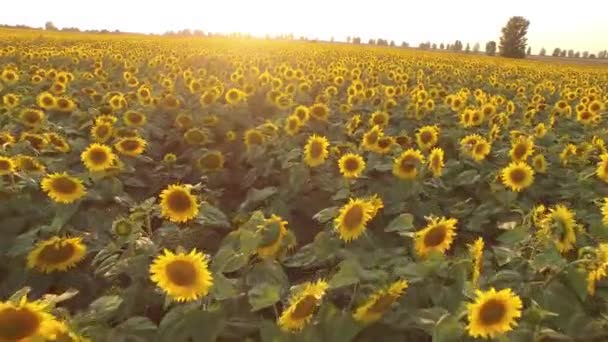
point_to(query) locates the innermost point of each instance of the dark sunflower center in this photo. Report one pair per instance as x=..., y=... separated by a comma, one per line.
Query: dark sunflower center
x=492, y=312
x=98, y=156
x=233, y=95
x=351, y=164
x=181, y=273
x=56, y=253
x=135, y=118
x=479, y=148
x=379, y=119
x=488, y=110
x=517, y=176
x=17, y=324
x=319, y=112
x=520, y=151
x=130, y=145
x=144, y=93
x=382, y=303
x=35, y=141
x=210, y=161
x=436, y=162
x=63, y=103
x=372, y=138
x=426, y=137
x=408, y=164
x=31, y=117
x=585, y=115
x=384, y=143
x=304, y=308
x=5, y=165
x=316, y=149
x=195, y=136
x=293, y=124
x=435, y=236
x=64, y=185
x=102, y=131
x=179, y=201
x=354, y=217
x=254, y=139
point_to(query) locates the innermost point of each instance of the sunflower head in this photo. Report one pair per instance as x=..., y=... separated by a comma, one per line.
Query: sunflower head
x=379, y=118
x=7, y=166
x=319, y=111
x=56, y=254
x=521, y=149
x=57, y=142
x=437, y=236
x=183, y=277
x=370, y=138
x=480, y=150
x=196, y=136
x=302, y=306
x=436, y=163
x=134, y=119
x=539, y=163
x=427, y=137
x=178, y=204
x=352, y=219
x=102, y=131
x=406, y=166
x=253, y=137
x=211, y=161
x=26, y=321
x=29, y=164
x=316, y=151
x=62, y=188
x=273, y=232
x=98, y=157
x=517, y=176
x=559, y=227
x=31, y=117
x=351, y=165
x=379, y=302
x=292, y=125
x=131, y=146
x=493, y=313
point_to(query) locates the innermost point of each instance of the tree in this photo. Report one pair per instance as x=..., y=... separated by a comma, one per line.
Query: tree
x=491, y=48
x=441, y=46
x=49, y=26
x=357, y=40
x=556, y=52
x=468, y=48
x=476, y=47
x=570, y=53
x=434, y=47
x=577, y=54
x=405, y=44
x=348, y=39
x=513, y=41
x=586, y=54
x=529, y=51
x=542, y=52
x=457, y=46
x=562, y=53
x=371, y=42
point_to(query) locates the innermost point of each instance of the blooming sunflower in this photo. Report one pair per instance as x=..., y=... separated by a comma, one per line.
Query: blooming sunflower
x=319, y=111
x=26, y=321
x=493, y=313
x=292, y=125
x=352, y=219
x=370, y=138
x=540, y=130
x=302, y=305
x=476, y=251
x=7, y=166
x=29, y=164
x=183, y=277
x=379, y=118
x=253, y=137
x=438, y=236
x=211, y=161
x=101, y=132
x=602, y=167
x=427, y=137
x=406, y=165
x=605, y=211
x=56, y=254
x=517, y=176
x=57, y=142
x=598, y=267
x=134, y=119
x=436, y=163
x=315, y=151
x=379, y=302
x=559, y=226
x=63, y=188
x=351, y=165
x=196, y=136
x=131, y=146
x=178, y=204
x=31, y=117
x=303, y=113
x=521, y=149
x=98, y=157
x=539, y=163
x=37, y=141
x=273, y=231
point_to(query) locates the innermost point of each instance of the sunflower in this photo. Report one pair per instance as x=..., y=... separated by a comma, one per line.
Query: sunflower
x=319, y=111
x=351, y=165
x=183, y=277
x=602, y=167
x=292, y=125
x=406, y=165
x=559, y=225
x=570, y=151
x=597, y=268
x=480, y=150
x=370, y=138
x=7, y=166
x=196, y=136
x=517, y=176
x=476, y=252
x=384, y=144
x=352, y=219
x=31, y=117
x=101, y=131
x=98, y=157
x=63, y=188
x=540, y=130
x=521, y=149
x=230, y=136
x=26, y=321
x=427, y=137
x=131, y=146
x=436, y=163
x=302, y=305
x=315, y=151
x=178, y=204
x=379, y=118
x=234, y=96
x=211, y=161
x=57, y=142
x=303, y=113
x=29, y=164
x=37, y=141
x=9, y=76
x=353, y=124
x=437, y=236
x=379, y=302
x=56, y=254
x=539, y=163
x=493, y=313
x=6, y=138
x=134, y=119
x=11, y=100
x=253, y=137
x=272, y=231
x=605, y=212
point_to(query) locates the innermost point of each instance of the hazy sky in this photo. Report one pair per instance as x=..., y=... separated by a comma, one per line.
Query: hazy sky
x=580, y=25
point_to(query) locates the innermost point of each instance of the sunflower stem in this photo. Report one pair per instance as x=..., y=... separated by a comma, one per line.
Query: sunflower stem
x=353, y=296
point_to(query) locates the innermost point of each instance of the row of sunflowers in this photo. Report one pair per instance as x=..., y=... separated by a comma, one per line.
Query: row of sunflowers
x=211, y=189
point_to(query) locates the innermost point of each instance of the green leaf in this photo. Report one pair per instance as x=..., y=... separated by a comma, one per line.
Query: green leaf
x=223, y=288
x=103, y=307
x=348, y=274
x=326, y=214
x=447, y=329
x=134, y=329
x=503, y=255
x=263, y=295
x=577, y=280
x=403, y=222
x=467, y=177
x=268, y=281
x=227, y=260
x=336, y=325
x=514, y=236
x=188, y=324
x=255, y=197
x=212, y=216
x=506, y=278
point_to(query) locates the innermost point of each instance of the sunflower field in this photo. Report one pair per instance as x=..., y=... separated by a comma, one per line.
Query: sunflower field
x=215, y=189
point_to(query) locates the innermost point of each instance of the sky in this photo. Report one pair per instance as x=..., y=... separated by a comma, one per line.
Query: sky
x=579, y=25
